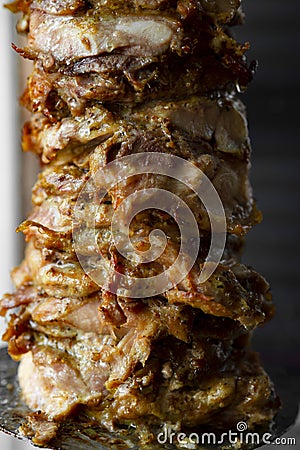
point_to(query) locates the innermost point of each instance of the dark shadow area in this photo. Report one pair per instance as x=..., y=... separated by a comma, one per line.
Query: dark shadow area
x=272, y=28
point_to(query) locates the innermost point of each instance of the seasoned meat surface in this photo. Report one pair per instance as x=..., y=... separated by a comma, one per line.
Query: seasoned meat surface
x=69, y=38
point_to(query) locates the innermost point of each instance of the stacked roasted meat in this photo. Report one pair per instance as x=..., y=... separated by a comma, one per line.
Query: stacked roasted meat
x=111, y=79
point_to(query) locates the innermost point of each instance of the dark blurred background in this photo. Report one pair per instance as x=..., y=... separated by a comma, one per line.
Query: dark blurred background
x=273, y=29
x=273, y=247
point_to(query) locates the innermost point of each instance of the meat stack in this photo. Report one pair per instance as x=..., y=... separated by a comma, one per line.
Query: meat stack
x=112, y=79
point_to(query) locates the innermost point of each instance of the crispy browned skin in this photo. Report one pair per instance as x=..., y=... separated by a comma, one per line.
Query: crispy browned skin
x=112, y=79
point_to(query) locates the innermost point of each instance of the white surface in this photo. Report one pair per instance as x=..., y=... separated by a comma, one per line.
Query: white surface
x=8, y=443
x=9, y=165
x=9, y=174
